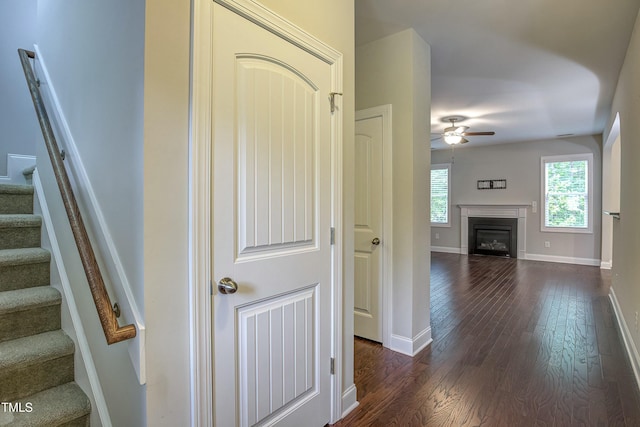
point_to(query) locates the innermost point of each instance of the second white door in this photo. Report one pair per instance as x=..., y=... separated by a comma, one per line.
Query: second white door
x=368, y=228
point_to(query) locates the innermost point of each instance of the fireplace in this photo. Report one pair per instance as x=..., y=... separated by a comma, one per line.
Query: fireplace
x=516, y=211
x=493, y=236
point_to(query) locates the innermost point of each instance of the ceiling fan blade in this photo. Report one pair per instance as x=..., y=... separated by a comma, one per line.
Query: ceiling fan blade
x=435, y=136
x=477, y=133
x=464, y=141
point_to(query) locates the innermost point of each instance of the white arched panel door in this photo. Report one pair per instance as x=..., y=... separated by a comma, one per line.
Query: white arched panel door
x=272, y=216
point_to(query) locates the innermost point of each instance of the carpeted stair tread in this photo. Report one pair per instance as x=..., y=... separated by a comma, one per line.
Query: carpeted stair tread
x=35, y=363
x=64, y=405
x=21, y=256
x=22, y=299
x=19, y=231
x=24, y=268
x=29, y=350
x=20, y=220
x=16, y=189
x=29, y=311
x=16, y=199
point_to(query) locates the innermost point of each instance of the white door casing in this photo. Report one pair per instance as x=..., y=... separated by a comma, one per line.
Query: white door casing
x=373, y=219
x=276, y=176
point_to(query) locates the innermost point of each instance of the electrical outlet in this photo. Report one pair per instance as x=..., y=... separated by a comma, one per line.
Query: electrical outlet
x=547, y=244
x=437, y=236
x=534, y=207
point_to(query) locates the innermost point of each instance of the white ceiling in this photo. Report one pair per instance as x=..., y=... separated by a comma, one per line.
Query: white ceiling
x=526, y=69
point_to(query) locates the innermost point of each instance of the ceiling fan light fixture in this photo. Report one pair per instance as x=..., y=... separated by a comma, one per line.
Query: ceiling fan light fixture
x=452, y=138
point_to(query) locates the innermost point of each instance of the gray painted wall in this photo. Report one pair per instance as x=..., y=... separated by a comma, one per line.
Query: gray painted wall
x=18, y=123
x=94, y=54
x=626, y=231
x=396, y=70
x=519, y=164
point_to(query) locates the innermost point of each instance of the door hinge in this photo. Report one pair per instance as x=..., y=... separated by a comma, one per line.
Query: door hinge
x=210, y=287
x=333, y=236
x=333, y=366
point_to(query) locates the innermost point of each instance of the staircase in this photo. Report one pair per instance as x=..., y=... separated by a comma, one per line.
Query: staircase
x=36, y=356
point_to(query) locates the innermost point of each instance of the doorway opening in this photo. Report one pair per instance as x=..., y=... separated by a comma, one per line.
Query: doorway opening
x=611, y=159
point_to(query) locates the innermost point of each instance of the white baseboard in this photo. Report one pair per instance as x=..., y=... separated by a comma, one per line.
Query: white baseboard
x=445, y=249
x=563, y=259
x=606, y=265
x=627, y=338
x=116, y=275
x=16, y=163
x=349, y=400
x=76, y=320
x=409, y=346
x=538, y=257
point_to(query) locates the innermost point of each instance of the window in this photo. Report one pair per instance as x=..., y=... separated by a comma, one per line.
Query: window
x=440, y=195
x=567, y=186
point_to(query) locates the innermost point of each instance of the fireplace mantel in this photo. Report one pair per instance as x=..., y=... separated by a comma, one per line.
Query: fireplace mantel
x=515, y=210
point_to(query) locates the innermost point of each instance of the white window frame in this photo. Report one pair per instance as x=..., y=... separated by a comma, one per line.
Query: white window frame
x=448, y=167
x=590, y=192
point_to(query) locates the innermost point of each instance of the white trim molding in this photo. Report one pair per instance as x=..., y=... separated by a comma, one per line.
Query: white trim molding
x=563, y=259
x=516, y=210
x=16, y=164
x=349, y=400
x=606, y=265
x=200, y=217
x=627, y=337
x=411, y=346
x=446, y=250
x=91, y=210
x=200, y=230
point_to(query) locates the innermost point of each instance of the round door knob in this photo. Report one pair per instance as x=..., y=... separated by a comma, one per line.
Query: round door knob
x=227, y=286
x=375, y=241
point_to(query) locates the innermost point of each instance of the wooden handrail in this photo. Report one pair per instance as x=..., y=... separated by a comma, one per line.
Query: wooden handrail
x=112, y=331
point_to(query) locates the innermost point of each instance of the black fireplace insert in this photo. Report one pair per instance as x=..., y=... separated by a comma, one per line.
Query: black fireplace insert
x=493, y=236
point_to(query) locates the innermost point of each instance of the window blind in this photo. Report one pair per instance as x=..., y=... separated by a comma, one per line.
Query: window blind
x=440, y=195
x=567, y=194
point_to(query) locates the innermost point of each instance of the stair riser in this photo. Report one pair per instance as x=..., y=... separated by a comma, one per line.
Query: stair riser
x=19, y=237
x=24, y=276
x=16, y=203
x=29, y=322
x=78, y=422
x=24, y=381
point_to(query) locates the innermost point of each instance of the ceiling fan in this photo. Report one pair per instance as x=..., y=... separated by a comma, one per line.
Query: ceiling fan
x=455, y=134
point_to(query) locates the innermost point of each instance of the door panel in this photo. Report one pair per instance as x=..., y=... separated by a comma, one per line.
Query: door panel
x=276, y=111
x=276, y=340
x=271, y=225
x=368, y=226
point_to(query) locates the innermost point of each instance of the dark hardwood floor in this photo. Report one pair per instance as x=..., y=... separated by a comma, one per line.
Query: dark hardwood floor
x=515, y=343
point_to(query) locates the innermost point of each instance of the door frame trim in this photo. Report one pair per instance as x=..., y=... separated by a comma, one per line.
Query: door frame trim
x=385, y=112
x=200, y=186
